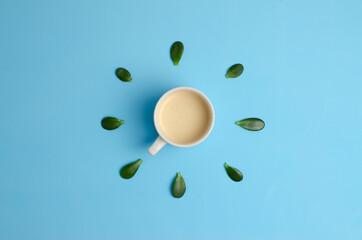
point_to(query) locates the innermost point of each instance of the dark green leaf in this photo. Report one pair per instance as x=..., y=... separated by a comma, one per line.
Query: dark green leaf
x=235, y=71
x=233, y=173
x=111, y=123
x=177, y=50
x=130, y=169
x=252, y=124
x=123, y=75
x=179, y=186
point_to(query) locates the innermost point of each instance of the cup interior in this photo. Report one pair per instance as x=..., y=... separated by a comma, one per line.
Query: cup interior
x=184, y=117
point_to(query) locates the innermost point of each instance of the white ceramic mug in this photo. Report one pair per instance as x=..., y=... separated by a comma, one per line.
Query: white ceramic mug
x=162, y=139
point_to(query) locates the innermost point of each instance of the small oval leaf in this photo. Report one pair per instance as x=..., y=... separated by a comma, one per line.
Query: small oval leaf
x=178, y=186
x=233, y=173
x=252, y=124
x=177, y=50
x=235, y=71
x=111, y=123
x=130, y=169
x=123, y=74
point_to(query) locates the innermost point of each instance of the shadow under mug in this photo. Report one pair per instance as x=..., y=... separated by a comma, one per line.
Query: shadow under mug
x=162, y=140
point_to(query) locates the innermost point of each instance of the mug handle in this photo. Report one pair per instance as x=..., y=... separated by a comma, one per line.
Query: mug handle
x=156, y=146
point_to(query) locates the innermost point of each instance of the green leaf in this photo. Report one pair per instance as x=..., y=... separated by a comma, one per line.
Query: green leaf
x=123, y=75
x=177, y=50
x=233, y=173
x=252, y=124
x=130, y=169
x=178, y=186
x=235, y=71
x=111, y=123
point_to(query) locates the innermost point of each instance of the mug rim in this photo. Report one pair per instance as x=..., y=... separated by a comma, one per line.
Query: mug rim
x=163, y=97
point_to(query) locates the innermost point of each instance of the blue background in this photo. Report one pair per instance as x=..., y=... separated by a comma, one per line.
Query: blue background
x=59, y=170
